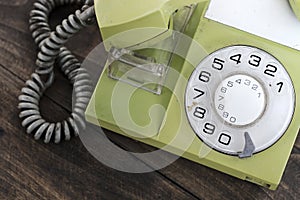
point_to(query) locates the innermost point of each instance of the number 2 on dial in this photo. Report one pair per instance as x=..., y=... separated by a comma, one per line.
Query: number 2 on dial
x=270, y=70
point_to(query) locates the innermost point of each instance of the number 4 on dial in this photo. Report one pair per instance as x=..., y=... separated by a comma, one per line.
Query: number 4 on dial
x=236, y=58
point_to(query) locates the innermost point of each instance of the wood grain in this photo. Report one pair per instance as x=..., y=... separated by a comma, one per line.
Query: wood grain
x=33, y=170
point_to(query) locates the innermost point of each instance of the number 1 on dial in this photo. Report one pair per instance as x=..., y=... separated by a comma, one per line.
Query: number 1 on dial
x=280, y=84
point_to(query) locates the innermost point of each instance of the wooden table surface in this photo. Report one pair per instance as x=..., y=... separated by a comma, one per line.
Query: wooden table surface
x=32, y=170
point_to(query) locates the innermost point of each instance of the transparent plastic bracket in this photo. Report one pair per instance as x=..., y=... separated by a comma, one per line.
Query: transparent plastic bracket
x=146, y=72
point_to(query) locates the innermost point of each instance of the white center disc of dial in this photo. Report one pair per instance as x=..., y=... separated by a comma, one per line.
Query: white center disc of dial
x=240, y=100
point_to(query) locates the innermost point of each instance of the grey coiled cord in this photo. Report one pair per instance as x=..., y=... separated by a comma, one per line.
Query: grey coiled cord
x=51, y=46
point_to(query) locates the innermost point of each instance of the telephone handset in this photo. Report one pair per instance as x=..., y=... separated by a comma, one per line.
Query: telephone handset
x=238, y=89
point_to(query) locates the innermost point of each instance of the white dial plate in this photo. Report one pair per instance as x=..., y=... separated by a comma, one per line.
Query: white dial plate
x=240, y=100
x=237, y=91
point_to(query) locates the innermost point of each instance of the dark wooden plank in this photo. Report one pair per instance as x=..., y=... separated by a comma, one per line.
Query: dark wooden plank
x=13, y=3
x=297, y=145
x=33, y=170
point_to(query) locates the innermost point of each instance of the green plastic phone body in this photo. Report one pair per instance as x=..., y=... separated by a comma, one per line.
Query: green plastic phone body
x=295, y=4
x=172, y=127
